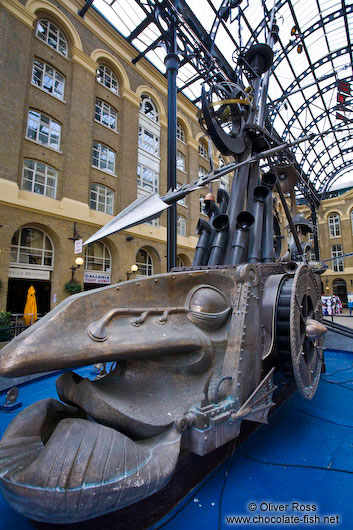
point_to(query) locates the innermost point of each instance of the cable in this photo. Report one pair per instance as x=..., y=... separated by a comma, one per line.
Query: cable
x=302, y=466
x=339, y=383
x=336, y=371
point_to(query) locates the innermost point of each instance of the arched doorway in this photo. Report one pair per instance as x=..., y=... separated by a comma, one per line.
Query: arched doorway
x=144, y=262
x=339, y=288
x=98, y=266
x=32, y=259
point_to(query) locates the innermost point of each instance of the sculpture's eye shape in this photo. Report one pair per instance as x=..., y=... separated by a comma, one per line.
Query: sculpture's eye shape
x=207, y=307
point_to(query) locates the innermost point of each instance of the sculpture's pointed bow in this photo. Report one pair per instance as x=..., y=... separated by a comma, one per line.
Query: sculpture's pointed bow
x=112, y=324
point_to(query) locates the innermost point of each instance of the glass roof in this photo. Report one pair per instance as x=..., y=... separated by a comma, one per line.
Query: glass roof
x=302, y=95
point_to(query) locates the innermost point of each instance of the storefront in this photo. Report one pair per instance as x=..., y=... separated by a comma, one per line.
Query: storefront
x=31, y=263
x=98, y=264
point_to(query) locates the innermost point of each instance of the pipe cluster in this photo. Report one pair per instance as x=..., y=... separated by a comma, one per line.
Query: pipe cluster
x=251, y=240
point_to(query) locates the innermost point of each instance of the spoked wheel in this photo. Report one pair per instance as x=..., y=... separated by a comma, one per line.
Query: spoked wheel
x=225, y=108
x=300, y=330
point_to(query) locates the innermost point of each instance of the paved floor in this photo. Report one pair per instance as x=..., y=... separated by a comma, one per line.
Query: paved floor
x=299, y=465
x=344, y=319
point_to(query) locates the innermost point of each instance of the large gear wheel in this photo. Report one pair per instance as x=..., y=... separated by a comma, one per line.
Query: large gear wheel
x=299, y=330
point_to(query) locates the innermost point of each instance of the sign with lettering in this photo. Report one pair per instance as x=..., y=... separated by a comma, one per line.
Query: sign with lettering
x=78, y=246
x=97, y=277
x=29, y=274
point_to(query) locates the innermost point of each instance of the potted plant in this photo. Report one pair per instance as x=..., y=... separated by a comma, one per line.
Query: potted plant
x=73, y=287
x=5, y=322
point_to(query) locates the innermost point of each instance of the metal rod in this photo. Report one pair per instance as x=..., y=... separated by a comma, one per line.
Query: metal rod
x=172, y=66
x=289, y=219
x=260, y=196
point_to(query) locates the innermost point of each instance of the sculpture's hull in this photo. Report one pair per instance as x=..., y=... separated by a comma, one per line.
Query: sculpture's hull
x=196, y=353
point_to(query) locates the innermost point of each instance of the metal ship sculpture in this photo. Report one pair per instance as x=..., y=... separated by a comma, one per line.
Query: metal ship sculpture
x=197, y=350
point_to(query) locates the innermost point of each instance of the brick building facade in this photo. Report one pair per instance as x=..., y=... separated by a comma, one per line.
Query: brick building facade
x=84, y=133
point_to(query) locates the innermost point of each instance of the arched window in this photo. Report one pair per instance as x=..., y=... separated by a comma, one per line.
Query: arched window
x=106, y=115
x=48, y=79
x=180, y=262
x=224, y=183
x=144, y=262
x=43, y=129
x=39, y=178
x=180, y=132
x=149, y=108
x=106, y=77
x=52, y=36
x=101, y=199
x=180, y=161
x=337, y=252
x=334, y=224
x=181, y=225
x=97, y=257
x=148, y=161
x=32, y=248
x=103, y=157
x=203, y=151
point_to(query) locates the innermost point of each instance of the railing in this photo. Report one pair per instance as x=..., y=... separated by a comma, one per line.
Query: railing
x=16, y=326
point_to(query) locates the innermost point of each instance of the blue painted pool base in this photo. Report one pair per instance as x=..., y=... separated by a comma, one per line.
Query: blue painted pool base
x=300, y=465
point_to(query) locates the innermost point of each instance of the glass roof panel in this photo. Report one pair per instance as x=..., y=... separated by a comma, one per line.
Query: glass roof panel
x=303, y=87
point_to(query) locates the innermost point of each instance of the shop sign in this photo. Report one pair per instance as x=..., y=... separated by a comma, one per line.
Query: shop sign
x=97, y=277
x=29, y=274
x=78, y=246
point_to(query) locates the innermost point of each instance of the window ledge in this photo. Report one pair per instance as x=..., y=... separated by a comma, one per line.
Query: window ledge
x=105, y=126
x=30, y=266
x=49, y=94
x=104, y=171
x=51, y=48
x=43, y=145
x=110, y=90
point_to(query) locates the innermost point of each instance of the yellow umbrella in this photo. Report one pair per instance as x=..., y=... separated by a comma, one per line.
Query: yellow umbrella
x=30, y=310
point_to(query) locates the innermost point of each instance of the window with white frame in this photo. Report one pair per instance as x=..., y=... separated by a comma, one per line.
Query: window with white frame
x=98, y=257
x=148, y=141
x=181, y=225
x=43, y=129
x=180, y=161
x=48, y=79
x=103, y=157
x=101, y=198
x=337, y=252
x=144, y=262
x=334, y=225
x=180, y=133
x=148, y=162
x=203, y=151
x=149, y=108
x=224, y=183
x=147, y=179
x=52, y=36
x=183, y=200
x=202, y=204
x=202, y=171
x=39, y=178
x=106, y=115
x=106, y=77
x=32, y=248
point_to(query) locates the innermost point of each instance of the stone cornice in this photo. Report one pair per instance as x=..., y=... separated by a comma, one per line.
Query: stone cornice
x=81, y=58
